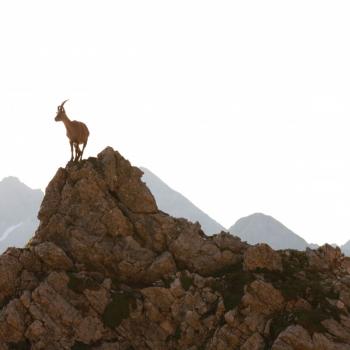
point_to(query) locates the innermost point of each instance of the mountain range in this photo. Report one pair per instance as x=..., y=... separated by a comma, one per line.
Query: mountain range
x=106, y=269
x=177, y=205
x=19, y=205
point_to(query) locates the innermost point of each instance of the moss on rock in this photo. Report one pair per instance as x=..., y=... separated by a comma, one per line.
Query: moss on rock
x=118, y=309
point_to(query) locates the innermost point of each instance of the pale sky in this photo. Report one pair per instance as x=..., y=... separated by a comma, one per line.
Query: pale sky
x=242, y=106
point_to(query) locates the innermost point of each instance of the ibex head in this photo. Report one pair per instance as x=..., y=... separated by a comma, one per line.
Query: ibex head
x=60, y=112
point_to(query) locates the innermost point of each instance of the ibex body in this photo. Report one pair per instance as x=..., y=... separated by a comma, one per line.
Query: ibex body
x=77, y=132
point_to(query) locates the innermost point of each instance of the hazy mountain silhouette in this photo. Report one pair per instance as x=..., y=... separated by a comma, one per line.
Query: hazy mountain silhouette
x=175, y=204
x=19, y=206
x=261, y=228
x=346, y=248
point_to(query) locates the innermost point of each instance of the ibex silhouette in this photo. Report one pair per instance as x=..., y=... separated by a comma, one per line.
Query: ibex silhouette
x=77, y=132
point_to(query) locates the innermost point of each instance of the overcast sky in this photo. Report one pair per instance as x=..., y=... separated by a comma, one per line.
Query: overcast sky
x=242, y=106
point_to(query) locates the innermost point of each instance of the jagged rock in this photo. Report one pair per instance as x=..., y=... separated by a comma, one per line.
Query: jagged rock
x=162, y=266
x=124, y=181
x=90, y=329
x=261, y=297
x=263, y=257
x=345, y=263
x=10, y=269
x=201, y=254
x=98, y=298
x=53, y=256
x=12, y=321
x=35, y=331
x=254, y=342
x=337, y=329
x=107, y=270
x=294, y=337
x=321, y=342
x=324, y=258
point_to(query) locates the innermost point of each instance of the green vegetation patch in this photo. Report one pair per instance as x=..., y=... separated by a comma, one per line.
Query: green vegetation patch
x=294, y=261
x=177, y=334
x=311, y=320
x=297, y=280
x=22, y=345
x=230, y=284
x=80, y=346
x=79, y=283
x=118, y=309
x=291, y=286
x=4, y=302
x=279, y=323
x=186, y=281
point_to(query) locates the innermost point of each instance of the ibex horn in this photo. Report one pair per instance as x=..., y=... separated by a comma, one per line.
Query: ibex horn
x=63, y=103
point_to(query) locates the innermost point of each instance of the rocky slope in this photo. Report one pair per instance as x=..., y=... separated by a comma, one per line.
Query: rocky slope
x=261, y=228
x=177, y=205
x=107, y=270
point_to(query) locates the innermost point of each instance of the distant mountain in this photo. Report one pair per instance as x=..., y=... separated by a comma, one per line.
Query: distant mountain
x=127, y=276
x=261, y=228
x=19, y=206
x=346, y=248
x=175, y=204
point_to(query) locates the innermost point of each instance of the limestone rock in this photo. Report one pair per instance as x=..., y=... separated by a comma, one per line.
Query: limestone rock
x=53, y=256
x=125, y=180
x=262, y=297
x=294, y=337
x=201, y=254
x=254, y=342
x=107, y=270
x=10, y=269
x=263, y=257
x=325, y=258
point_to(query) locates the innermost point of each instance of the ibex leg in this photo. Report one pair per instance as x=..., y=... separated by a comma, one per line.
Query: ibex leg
x=71, y=150
x=77, y=152
x=82, y=151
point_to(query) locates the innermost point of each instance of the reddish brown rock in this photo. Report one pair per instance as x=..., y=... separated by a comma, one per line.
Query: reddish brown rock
x=107, y=270
x=10, y=269
x=325, y=258
x=53, y=256
x=261, y=256
x=261, y=297
x=294, y=337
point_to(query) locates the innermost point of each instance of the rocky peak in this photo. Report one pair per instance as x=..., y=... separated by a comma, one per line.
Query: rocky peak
x=107, y=270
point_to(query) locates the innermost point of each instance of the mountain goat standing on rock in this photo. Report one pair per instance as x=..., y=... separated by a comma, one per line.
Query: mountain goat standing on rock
x=77, y=132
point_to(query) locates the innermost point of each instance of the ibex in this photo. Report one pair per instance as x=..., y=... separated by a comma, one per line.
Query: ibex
x=77, y=132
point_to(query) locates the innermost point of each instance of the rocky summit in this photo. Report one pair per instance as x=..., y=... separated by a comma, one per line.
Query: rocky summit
x=107, y=270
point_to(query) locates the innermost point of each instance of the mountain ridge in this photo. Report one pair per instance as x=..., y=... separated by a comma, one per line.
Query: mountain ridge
x=19, y=205
x=106, y=269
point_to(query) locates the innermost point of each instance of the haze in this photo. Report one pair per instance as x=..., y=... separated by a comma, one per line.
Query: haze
x=242, y=107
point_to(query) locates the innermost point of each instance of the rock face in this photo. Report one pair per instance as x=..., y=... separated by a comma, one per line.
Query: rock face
x=107, y=270
x=262, y=256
